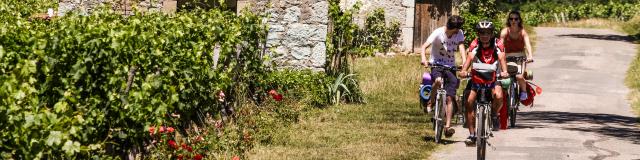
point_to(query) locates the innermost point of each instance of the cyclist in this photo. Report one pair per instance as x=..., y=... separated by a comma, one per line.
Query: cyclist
x=515, y=40
x=444, y=42
x=487, y=50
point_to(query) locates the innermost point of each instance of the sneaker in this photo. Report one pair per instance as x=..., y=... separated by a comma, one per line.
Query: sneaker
x=428, y=108
x=523, y=96
x=449, y=132
x=471, y=140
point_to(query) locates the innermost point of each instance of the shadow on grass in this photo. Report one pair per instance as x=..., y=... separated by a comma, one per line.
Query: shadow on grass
x=621, y=127
x=443, y=141
x=609, y=37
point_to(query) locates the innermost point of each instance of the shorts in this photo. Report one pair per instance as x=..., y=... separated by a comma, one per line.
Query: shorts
x=475, y=86
x=451, y=82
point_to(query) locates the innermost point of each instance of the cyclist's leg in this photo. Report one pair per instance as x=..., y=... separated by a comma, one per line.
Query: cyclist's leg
x=522, y=85
x=436, y=74
x=521, y=82
x=498, y=99
x=450, y=86
x=471, y=121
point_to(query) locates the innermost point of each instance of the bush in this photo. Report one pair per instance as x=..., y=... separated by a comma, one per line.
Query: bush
x=538, y=12
x=632, y=26
x=376, y=36
x=84, y=86
x=474, y=12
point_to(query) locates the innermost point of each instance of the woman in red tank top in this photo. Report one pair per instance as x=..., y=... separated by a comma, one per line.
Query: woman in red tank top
x=514, y=37
x=516, y=40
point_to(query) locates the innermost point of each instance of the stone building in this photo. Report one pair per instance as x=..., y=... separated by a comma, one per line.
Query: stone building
x=298, y=28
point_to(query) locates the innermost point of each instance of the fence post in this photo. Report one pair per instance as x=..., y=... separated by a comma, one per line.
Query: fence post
x=563, y=19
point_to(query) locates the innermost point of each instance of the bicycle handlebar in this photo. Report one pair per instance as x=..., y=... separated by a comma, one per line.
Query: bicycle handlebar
x=455, y=68
x=519, y=59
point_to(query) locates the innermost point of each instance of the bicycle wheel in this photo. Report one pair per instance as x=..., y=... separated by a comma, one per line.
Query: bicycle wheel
x=462, y=111
x=481, y=131
x=438, y=119
x=513, y=104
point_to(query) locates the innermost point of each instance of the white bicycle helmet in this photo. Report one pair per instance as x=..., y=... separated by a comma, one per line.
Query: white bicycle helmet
x=485, y=25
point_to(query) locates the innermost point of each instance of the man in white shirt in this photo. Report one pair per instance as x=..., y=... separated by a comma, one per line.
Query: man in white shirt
x=444, y=42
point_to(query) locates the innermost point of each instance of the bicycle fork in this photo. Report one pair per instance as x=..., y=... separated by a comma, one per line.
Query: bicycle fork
x=440, y=101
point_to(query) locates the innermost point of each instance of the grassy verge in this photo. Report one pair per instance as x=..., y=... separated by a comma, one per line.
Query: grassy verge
x=598, y=23
x=632, y=80
x=390, y=126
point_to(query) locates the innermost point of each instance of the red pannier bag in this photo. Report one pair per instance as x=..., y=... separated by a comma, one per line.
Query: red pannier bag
x=531, y=93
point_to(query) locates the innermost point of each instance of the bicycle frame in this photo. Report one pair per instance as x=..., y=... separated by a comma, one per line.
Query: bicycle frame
x=514, y=90
x=483, y=121
x=439, y=116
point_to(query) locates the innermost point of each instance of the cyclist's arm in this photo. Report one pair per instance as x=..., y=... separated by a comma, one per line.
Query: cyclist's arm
x=527, y=44
x=463, y=52
x=467, y=64
x=423, y=48
x=503, y=63
x=503, y=34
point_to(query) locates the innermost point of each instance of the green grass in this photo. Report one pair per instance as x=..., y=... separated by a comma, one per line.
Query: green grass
x=633, y=82
x=633, y=73
x=390, y=126
x=597, y=23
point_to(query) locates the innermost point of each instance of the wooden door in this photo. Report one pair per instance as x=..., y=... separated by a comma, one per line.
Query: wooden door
x=429, y=15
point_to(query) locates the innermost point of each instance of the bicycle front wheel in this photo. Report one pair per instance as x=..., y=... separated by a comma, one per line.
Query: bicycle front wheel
x=439, y=118
x=481, y=138
x=513, y=104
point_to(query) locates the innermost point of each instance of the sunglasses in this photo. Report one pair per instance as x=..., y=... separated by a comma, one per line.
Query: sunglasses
x=514, y=19
x=484, y=33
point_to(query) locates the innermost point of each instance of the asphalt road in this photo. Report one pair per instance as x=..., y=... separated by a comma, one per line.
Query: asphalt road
x=582, y=113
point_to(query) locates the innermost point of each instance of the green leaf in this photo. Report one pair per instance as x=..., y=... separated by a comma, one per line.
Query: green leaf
x=70, y=147
x=61, y=107
x=54, y=138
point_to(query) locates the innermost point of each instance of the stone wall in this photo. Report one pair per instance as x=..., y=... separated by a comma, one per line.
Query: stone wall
x=298, y=31
x=402, y=11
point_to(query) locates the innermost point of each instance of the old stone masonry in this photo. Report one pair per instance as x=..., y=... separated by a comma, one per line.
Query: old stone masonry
x=298, y=28
x=298, y=32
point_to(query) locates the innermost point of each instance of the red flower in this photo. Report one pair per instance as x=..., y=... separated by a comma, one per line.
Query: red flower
x=170, y=129
x=198, y=157
x=272, y=92
x=173, y=144
x=235, y=158
x=188, y=148
x=152, y=130
x=179, y=157
x=277, y=97
x=161, y=129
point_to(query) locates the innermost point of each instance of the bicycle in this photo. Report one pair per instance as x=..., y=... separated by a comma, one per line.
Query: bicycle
x=439, y=118
x=513, y=88
x=483, y=120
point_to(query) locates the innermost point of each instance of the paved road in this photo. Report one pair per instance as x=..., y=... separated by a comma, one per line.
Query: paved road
x=582, y=113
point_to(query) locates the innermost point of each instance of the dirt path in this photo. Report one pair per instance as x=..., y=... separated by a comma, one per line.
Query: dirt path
x=582, y=114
